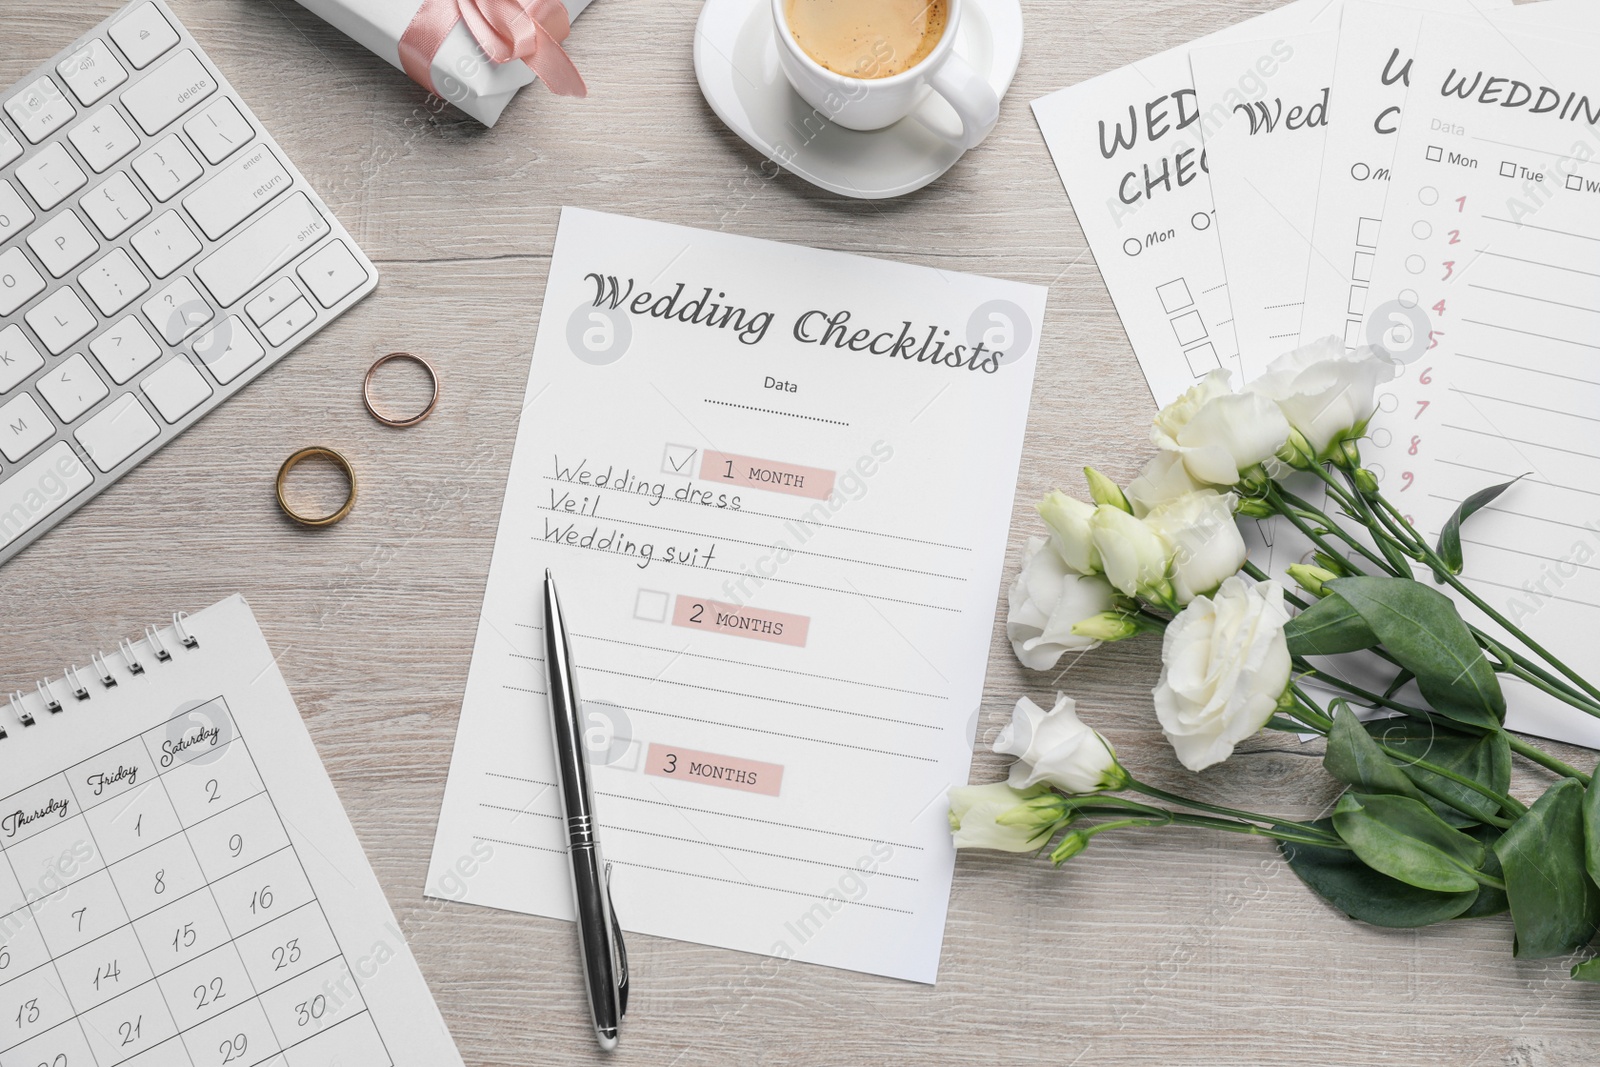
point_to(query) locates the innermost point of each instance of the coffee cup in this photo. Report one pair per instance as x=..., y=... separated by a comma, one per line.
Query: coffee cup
x=862, y=78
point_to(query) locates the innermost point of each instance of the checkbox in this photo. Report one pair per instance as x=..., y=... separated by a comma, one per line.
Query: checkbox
x=1435, y=153
x=1202, y=359
x=1352, y=333
x=1575, y=182
x=1367, y=233
x=1361, y=270
x=651, y=606
x=1508, y=169
x=1357, y=304
x=1189, y=327
x=679, y=459
x=1174, y=296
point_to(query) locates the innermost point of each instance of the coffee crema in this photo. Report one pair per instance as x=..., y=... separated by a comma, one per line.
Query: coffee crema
x=867, y=38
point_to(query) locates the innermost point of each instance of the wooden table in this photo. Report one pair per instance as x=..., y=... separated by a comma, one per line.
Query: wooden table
x=1175, y=947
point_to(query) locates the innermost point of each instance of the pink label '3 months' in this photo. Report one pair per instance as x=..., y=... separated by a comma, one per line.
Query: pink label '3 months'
x=708, y=768
x=767, y=474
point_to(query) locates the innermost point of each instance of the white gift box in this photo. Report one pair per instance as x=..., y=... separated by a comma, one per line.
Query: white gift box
x=462, y=74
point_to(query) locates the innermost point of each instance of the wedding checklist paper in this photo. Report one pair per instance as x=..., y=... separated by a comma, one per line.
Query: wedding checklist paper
x=1264, y=148
x=773, y=484
x=1377, y=43
x=1487, y=280
x=1129, y=150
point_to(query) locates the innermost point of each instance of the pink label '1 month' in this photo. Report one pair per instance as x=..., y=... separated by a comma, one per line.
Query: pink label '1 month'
x=766, y=474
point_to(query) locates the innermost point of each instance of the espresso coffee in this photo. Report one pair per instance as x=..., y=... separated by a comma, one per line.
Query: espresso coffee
x=867, y=38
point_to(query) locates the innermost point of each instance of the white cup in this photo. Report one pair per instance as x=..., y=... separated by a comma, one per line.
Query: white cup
x=873, y=103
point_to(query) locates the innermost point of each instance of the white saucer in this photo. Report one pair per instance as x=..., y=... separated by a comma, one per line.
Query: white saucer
x=736, y=60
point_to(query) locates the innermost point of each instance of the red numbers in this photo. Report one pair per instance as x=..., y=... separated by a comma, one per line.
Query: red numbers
x=1455, y=237
x=1422, y=405
x=1433, y=338
x=1438, y=309
x=1449, y=269
x=1426, y=377
x=1407, y=477
x=1416, y=442
x=1461, y=203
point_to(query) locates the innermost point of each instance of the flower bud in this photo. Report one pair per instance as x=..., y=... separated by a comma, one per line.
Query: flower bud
x=1136, y=558
x=1074, y=842
x=976, y=811
x=1348, y=455
x=1330, y=563
x=1108, y=626
x=1311, y=578
x=1068, y=519
x=1366, y=481
x=1297, y=452
x=1254, y=507
x=1103, y=490
x=1037, y=812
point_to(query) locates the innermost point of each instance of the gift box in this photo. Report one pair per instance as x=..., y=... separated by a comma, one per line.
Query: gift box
x=474, y=53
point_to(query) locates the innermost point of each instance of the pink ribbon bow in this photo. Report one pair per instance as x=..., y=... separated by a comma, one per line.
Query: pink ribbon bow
x=529, y=30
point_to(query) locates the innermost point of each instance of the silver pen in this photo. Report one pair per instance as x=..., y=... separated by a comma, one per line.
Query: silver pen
x=605, y=958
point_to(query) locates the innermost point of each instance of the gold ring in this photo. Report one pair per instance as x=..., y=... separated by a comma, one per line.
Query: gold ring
x=366, y=390
x=294, y=461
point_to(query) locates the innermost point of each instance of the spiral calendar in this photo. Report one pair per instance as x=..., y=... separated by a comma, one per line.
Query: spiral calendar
x=179, y=885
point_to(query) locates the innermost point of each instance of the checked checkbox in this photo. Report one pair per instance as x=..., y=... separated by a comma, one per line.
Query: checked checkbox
x=679, y=459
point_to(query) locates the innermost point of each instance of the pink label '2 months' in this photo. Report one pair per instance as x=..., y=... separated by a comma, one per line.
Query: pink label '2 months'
x=759, y=624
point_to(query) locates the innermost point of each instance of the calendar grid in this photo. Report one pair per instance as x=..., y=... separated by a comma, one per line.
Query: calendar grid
x=225, y=890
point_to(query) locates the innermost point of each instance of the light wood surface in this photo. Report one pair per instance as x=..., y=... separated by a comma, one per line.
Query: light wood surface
x=1176, y=947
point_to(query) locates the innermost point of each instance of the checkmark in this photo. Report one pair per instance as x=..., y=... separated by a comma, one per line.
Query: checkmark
x=679, y=459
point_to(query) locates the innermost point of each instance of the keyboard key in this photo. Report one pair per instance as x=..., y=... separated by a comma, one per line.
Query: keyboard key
x=35, y=491
x=91, y=72
x=72, y=388
x=125, y=350
x=14, y=213
x=103, y=138
x=229, y=350
x=10, y=147
x=18, y=358
x=237, y=191
x=116, y=433
x=332, y=274
x=168, y=168
x=219, y=131
x=19, y=282
x=114, y=282
x=295, y=318
x=176, y=389
x=23, y=427
x=266, y=245
x=62, y=243
x=177, y=311
x=40, y=110
x=144, y=35
x=168, y=91
x=279, y=295
x=60, y=320
x=115, y=205
x=166, y=244
x=50, y=176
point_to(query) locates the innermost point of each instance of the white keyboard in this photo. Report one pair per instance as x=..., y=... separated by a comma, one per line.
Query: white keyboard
x=157, y=252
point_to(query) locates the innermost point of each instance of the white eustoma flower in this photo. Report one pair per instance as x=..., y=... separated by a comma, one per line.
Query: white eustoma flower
x=1058, y=748
x=1207, y=547
x=976, y=809
x=1068, y=519
x=1219, y=432
x=1324, y=392
x=1134, y=556
x=1224, y=667
x=1164, y=478
x=1044, y=602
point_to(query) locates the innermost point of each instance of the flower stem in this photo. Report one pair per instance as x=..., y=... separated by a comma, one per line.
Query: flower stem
x=1544, y=759
x=1302, y=835
x=1232, y=813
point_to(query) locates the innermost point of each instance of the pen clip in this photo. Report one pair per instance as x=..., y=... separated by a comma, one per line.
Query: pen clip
x=621, y=953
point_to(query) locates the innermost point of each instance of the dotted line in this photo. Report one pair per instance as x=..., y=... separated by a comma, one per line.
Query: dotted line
x=758, y=696
x=1275, y=307
x=774, y=411
x=713, y=811
x=519, y=844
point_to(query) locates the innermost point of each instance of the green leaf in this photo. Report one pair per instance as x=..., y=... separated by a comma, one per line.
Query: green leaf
x=1422, y=630
x=1355, y=759
x=1450, y=536
x=1327, y=628
x=1587, y=971
x=1591, y=831
x=1485, y=759
x=1554, y=903
x=1491, y=901
x=1404, y=839
x=1402, y=676
x=1341, y=879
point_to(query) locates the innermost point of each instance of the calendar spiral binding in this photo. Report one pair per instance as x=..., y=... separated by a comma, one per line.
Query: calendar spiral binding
x=79, y=689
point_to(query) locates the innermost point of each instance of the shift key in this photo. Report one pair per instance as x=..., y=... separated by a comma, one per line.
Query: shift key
x=261, y=249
